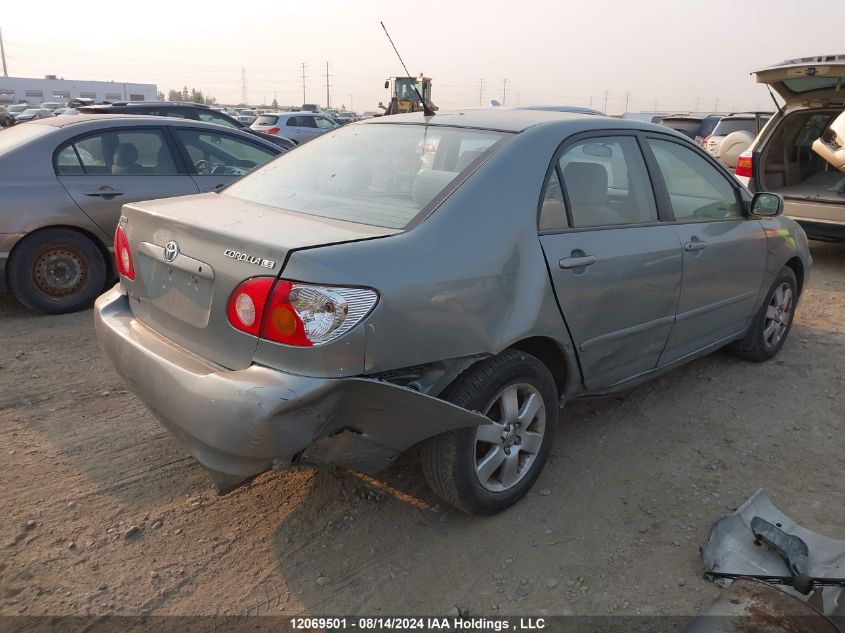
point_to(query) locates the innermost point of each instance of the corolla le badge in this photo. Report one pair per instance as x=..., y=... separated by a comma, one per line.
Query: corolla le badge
x=171, y=250
x=249, y=259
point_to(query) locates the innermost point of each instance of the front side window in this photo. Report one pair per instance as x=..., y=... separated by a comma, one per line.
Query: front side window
x=606, y=182
x=323, y=124
x=215, y=154
x=129, y=153
x=382, y=174
x=696, y=188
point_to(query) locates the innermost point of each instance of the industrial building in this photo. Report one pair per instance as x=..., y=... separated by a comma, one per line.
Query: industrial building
x=56, y=89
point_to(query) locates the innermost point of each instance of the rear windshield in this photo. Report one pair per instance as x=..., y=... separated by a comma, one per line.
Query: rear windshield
x=808, y=84
x=687, y=127
x=380, y=174
x=728, y=126
x=18, y=135
x=266, y=119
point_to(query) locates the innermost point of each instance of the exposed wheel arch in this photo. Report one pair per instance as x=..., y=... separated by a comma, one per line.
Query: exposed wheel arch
x=797, y=267
x=551, y=354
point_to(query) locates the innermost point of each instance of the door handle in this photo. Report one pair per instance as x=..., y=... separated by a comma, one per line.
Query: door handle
x=578, y=262
x=695, y=244
x=104, y=192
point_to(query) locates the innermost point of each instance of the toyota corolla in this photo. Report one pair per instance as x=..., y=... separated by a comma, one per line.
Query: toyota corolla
x=449, y=281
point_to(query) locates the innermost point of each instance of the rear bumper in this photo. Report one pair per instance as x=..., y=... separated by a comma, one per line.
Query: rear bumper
x=822, y=230
x=240, y=423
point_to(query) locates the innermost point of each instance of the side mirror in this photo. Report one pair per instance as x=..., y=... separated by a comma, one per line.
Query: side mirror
x=767, y=204
x=387, y=84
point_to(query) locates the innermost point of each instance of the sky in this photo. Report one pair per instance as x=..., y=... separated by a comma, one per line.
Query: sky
x=679, y=55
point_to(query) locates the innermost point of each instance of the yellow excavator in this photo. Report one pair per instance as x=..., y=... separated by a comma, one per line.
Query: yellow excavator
x=405, y=93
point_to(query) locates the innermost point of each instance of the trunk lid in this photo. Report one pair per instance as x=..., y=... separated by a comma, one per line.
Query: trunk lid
x=807, y=79
x=191, y=252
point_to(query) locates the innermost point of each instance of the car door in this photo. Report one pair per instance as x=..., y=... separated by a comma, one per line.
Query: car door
x=302, y=127
x=216, y=159
x=724, y=252
x=615, y=267
x=104, y=170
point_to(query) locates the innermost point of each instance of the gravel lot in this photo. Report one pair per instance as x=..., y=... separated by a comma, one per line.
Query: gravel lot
x=102, y=512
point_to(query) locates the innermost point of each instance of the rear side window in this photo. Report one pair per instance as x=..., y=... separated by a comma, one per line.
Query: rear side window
x=606, y=182
x=129, y=153
x=697, y=190
x=381, y=174
x=211, y=116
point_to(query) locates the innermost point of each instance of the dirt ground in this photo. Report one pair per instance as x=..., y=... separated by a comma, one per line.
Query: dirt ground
x=613, y=525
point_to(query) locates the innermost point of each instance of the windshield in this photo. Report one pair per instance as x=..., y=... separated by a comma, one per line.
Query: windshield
x=382, y=174
x=18, y=135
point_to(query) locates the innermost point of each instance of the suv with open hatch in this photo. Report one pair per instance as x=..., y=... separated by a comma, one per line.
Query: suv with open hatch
x=784, y=157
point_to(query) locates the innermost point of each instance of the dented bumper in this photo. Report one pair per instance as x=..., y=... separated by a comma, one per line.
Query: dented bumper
x=240, y=423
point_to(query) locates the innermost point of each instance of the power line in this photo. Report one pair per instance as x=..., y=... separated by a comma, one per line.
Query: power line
x=328, y=98
x=3, y=54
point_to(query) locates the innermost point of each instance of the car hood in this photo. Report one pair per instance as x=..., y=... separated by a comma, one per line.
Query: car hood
x=807, y=79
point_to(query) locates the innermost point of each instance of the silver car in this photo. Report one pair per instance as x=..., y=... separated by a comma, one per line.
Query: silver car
x=299, y=126
x=448, y=280
x=64, y=179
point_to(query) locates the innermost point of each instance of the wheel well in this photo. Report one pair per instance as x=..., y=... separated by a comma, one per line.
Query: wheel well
x=110, y=265
x=550, y=354
x=798, y=268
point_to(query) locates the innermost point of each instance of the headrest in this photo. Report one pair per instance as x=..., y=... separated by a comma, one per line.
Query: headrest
x=586, y=183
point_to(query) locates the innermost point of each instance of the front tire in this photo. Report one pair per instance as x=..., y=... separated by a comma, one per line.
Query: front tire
x=56, y=271
x=486, y=469
x=773, y=321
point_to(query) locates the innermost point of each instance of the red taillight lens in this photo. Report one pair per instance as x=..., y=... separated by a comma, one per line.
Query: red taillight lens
x=272, y=130
x=743, y=165
x=246, y=304
x=122, y=254
x=283, y=323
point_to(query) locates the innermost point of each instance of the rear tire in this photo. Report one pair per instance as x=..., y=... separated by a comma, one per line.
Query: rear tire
x=773, y=321
x=56, y=271
x=517, y=391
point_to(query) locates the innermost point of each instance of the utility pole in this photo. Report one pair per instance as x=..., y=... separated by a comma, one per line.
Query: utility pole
x=243, y=85
x=351, y=103
x=605, y=100
x=303, y=83
x=655, y=105
x=328, y=100
x=504, y=90
x=480, y=90
x=3, y=54
x=627, y=99
x=591, y=101
x=716, y=107
x=697, y=102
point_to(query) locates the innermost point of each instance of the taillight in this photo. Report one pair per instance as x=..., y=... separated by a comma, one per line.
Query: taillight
x=272, y=130
x=297, y=314
x=122, y=254
x=743, y=164
x=246, y=304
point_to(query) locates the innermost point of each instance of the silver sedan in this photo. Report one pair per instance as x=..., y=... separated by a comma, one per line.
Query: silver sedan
x=449, y=280
x=64, y=179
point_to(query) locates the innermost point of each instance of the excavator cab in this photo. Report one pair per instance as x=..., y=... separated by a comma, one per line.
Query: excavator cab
x=403, y=97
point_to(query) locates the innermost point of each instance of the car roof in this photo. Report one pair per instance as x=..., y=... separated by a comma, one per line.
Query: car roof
x=124, y=120
x=828, y=60
x=506, y=120
x=138, y=104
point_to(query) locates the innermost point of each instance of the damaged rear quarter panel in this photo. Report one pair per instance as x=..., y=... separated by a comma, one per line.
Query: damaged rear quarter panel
x=470, y=280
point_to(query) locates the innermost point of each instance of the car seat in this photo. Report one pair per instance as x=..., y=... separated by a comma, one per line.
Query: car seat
x=586, y=186
x=126, y=160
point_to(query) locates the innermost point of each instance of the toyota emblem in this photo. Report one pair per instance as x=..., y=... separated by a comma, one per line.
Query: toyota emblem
x=171, y=250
